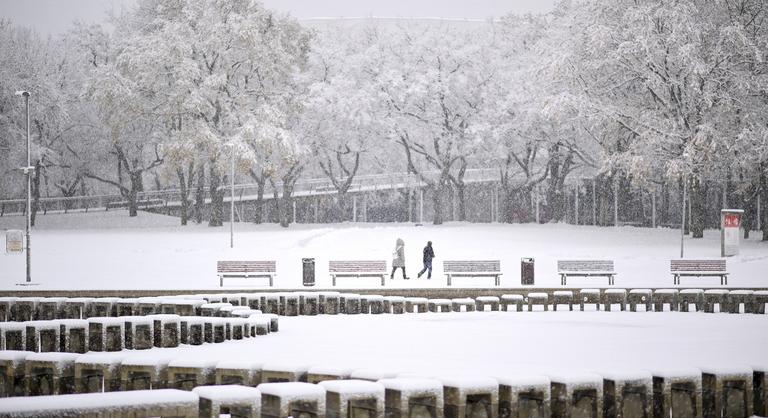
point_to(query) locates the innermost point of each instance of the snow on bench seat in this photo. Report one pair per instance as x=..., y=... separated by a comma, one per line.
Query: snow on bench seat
x=159, y=402
x=358, y=269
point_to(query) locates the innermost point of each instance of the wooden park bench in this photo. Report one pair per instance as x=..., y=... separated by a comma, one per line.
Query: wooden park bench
x=585, y=268
x=481, y=268
x=698, y=268
x=246, y=269
x=366, y=268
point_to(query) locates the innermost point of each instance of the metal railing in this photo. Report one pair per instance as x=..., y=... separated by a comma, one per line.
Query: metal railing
x=244, y=191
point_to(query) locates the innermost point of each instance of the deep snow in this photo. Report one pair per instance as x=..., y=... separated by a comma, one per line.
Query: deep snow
x=109, y=250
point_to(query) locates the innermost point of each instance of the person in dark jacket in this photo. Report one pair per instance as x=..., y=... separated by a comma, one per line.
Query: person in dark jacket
x=429, y=254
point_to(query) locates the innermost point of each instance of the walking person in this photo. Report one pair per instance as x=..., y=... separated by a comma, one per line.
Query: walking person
x=398, y=259
x=429, y=254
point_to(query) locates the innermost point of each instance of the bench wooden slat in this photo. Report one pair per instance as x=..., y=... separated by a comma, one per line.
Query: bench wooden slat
x=465, y=266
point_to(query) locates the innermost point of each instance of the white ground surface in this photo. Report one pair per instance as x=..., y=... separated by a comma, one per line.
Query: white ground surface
x=501, y=344
x=109, y=250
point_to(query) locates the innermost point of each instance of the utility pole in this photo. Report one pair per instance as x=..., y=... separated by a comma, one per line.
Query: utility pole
x=28, y=172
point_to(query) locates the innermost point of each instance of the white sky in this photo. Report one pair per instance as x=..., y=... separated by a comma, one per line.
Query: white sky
x=55, y=16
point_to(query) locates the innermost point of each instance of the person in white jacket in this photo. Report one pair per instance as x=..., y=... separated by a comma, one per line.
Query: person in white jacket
x=398, y=259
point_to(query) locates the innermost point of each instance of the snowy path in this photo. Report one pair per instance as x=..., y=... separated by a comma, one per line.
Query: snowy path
x=502, y=343
x=109, y=250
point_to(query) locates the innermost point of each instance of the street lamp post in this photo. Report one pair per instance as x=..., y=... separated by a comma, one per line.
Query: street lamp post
x=232, y=199
x=28, y=172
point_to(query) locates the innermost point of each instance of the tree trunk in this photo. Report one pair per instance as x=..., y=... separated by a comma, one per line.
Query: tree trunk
x=200, y=194
x=342, y=205
x=764, y=200
x=259, y=205
x=35, y=192
x=286, y=203
x=184, y=195
x=217, y=197
x=437, y=201
x=698, y=206
x=133, y=194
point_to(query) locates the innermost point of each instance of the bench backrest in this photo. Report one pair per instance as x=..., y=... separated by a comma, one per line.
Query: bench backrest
x=246, y=266
x=585, y=265
x=473, y=266
x=697, y=265
x=364, y=266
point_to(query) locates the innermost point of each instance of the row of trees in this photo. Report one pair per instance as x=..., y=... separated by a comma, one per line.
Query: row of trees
x=657, y=95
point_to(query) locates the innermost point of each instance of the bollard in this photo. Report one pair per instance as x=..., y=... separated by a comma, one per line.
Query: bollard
x=760, y=299
x=375, y=304
x=245, y=373
x=365, y=307
x=141, y=373
x=352, y=304
x=396, y=304
x=48, y=309
x=416, y=305
x=253, y=300
x=6, y=305
x=524, y=396
x=490, y=301
x=13, y=336
x=739, y=298
x=23, y=309
x=726, y=392
x=181, y=307
x=189, y=374
x=272, y=304
x=564, y=297
x=212, y=309
x=12, y=368
x=627, y=394
x=640, y=297
x=311, y=304
x=714, y=297
x=589, y=296
x=98, y=373
x=412, y=397
x=509, y=300
x=73, y=335
x=258, y=324
x=319, y=374
x=139, y=332
x=281, y=373
x=101, y=307
x=665, y=296
x=149, y=306
x=353, y=398
x=615, y=297
x=166, y=330
x=462, y=304
x=105, y=334
x=760, y=390
x=292, y=399
x=677, y=393
x=577, y=395
x=470, y=397
x=127, y=307
x=332, y=304
x=214, y=330
x=238, y=401
x=43, y=336
x=693, y=297
x=50, y=373
x=76, y=308
x=191, y=330
x=440, y=305
x=291, y=304
x=538, y=298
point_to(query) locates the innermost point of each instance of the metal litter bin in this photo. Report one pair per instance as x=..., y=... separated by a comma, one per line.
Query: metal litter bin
x=308, y=271
x=526, y=271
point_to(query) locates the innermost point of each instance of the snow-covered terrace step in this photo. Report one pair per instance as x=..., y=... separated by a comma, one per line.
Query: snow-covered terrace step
x=317, y=374
x=245, y=372
x=282, y=397
x=240, y=400
x=351, y=392
x=159, y=402
x=400, y=391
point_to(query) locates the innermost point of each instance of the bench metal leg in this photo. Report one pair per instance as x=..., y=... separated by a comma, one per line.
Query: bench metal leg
x=271, y=282
x=333, y=279
x=449, y=279
x=382, y=280
x=221, y=281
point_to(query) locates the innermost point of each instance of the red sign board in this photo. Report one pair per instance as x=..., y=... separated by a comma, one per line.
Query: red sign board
x=731, y=220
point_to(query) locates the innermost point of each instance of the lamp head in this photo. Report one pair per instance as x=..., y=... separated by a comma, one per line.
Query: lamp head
x=22, y=93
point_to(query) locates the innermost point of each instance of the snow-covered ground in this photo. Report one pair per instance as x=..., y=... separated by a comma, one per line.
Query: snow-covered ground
x=500, y=343
x=109, y=250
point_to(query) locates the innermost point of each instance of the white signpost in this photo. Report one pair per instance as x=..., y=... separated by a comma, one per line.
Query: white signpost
x=730, y=231
x=14, y=241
